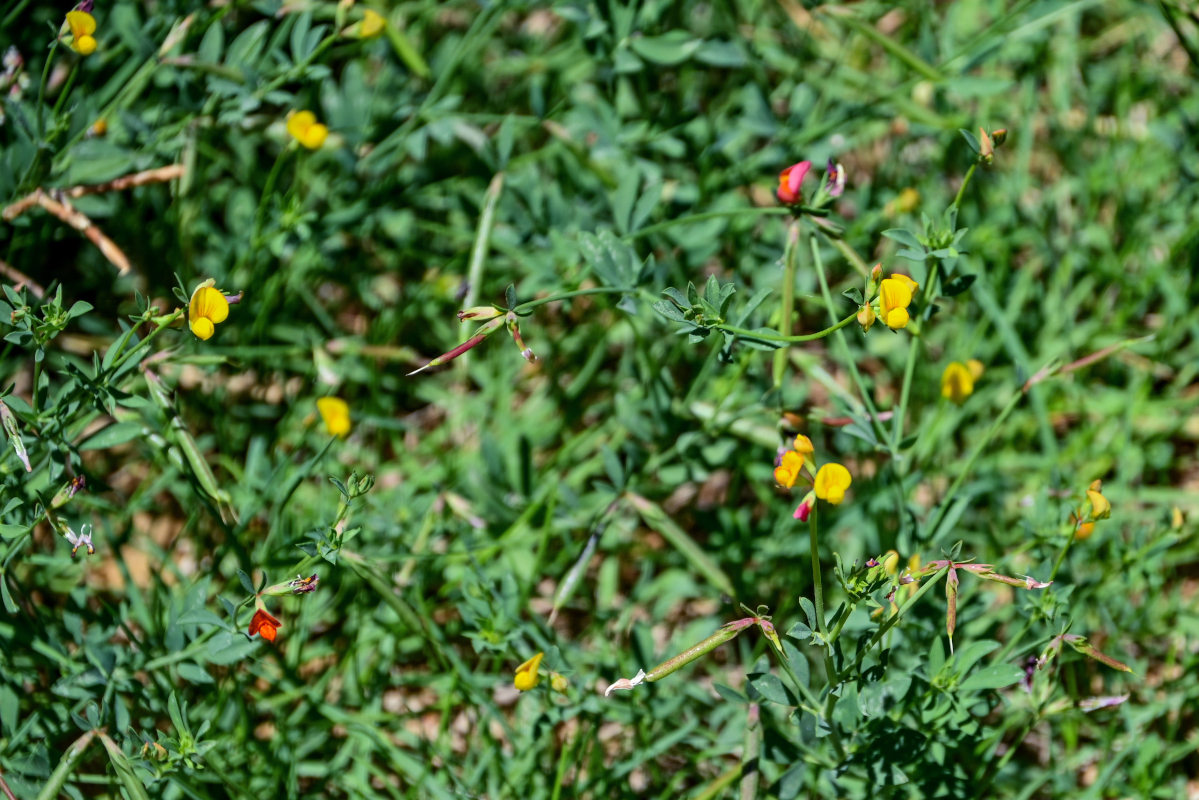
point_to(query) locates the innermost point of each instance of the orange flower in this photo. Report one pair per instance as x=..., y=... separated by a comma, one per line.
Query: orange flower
x=264, y=624
x=790, y=180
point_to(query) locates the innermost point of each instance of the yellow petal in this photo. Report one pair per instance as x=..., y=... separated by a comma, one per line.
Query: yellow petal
x=336, y=414
x=298, y=123
x=526, y=674
x=315, y=136
x=803, y=445
x=976, y=368
x=891, y=562
x=894, y=297
x=1100, y=507
x=831, y=482
x=897, y=318
x=202, y=327
x=372, y=24
x=208, y=303
x=956, y=382
x=84, y=45
x=81, y=23
x=906, y=281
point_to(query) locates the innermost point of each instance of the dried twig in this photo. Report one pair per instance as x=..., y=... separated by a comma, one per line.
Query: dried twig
x=21, y=279
x=62, y=209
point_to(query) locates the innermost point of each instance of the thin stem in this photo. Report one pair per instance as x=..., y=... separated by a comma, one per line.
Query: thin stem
x=41, y=89
x=162, y=324
x=957, y=201
x=767, y=337
x=478, y=252
x=787, y=308
x=817, y=586
x=892, y=621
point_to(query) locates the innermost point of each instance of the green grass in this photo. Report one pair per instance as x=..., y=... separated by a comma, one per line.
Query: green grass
x=612, y=503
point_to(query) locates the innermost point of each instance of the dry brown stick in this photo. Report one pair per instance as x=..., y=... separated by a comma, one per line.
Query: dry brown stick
x=157, y=175
x=21, y=279
x=77, y=220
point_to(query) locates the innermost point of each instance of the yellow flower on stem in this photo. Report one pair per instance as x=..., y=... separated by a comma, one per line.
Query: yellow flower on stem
x=803, y=445
x=336, y=414
x=526, y=674
x=894, y=297
x=831, y=482
x=208, y=308
x=371, y=25
x=304, y=128
x=82, y=26
x=957, y=383
x=1100, y=507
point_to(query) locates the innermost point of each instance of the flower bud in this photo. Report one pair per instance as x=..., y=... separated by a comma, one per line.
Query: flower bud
x=866, y=317
x=479, y=313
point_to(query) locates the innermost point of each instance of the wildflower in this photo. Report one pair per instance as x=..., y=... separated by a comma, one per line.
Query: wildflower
x=831, y=482
x=894, y=297
x=82, y=26
x=956, y=382
x=264, y=624
x=304, y=128
x=787, y=472
x=790, y=180
x=803, y=445
x=98, y=128
x=336, y=414
x=371, y=25
x=559, y=683
x=526, y=674
x=907, y=201
x=207, y=308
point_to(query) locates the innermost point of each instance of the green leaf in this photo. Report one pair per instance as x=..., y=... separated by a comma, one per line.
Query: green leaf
x=904, y=237
x=995, y=676
x=769, y=687
x=673, y=47
x=115, y=434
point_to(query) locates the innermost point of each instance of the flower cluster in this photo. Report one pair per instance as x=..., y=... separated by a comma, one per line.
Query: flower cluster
x=829, y=482
x=890, y=298
x=1094, y=509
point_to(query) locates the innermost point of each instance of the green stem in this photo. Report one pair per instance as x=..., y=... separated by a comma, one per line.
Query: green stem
x=787, y=309
x=957, y=201
x=478, y=252
x=766, y=337
x=41, y=89
x=892, y=621
x=817, y=586
x=162, y=324
x=299, y=68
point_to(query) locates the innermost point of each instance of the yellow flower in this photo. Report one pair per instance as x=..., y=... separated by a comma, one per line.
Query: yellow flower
x=803, y=445
x=894, y=297
x=336, y=414
x=371, y=25
x=957, y=383
x=1100, y=507
x=787, y=472
x=304, y=128
x=831, y=482
x=207, y=308
x=82, y=25
x=526, y=673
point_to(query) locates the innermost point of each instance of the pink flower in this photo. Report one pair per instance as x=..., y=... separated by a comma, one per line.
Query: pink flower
x=804, y=509
x=790, y=180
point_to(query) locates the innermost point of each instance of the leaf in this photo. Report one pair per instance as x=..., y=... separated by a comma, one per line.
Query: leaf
x=970, y=140
x=995, y=676
x=800, y=631
x=904, y=237
x=194, y=673
x=721, y=54
x=673, y=47
x=246, y=583
x=769, y=687
x=113, y=435
x=668, y=310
